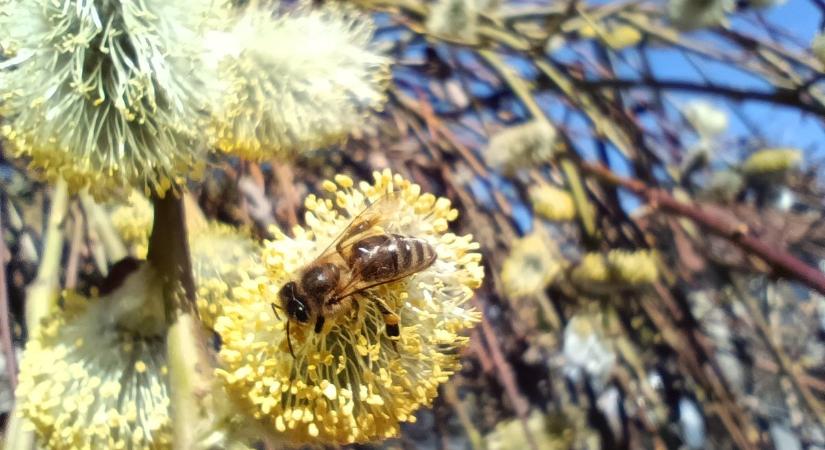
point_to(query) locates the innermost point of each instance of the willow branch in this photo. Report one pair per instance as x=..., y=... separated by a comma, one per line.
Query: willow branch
x=42, y=294
x=5, y=315
x=793, y=371
x=786, y=97
x=782, y=262
x=97, y=218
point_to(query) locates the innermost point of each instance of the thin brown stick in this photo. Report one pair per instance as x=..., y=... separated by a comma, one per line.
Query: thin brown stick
x=73, y=262
x=505, y=374
x=782, y=262
x=5, y=315
x=787, y=366
x=289, y=196
x=785, y=97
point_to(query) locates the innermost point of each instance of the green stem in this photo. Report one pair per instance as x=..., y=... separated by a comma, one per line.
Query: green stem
x=41, y=297
x=190, y=369
x=97, y=218
x=42, y=294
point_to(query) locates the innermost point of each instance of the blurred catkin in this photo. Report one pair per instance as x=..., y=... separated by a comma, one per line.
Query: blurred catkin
x=530, y=267
x=692, y=14
x=599, y=273
x=295, y=82
x=552, y=203
x=455, y=20
x=771, y=161
x=705, y=118
x=521, y=146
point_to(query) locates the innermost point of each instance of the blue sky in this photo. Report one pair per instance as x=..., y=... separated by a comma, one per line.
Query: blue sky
x=752, y=124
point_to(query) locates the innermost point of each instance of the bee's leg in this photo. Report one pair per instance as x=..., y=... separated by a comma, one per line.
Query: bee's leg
x=319, y=324
x=275, y=310
x=289, y=341
x=357, y=308
x=391, y=319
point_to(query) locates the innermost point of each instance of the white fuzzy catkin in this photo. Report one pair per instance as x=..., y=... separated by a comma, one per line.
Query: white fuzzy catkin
x=521, y=146
x=297, y=82
x=106, y=93
x=693, y=14
x=455, y=20
x=705, y=118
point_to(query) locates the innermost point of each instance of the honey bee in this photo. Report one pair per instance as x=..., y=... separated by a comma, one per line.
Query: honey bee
x=362, y=257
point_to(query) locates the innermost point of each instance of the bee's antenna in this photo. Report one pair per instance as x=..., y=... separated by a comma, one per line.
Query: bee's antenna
x=275, y=310
x=289, y=340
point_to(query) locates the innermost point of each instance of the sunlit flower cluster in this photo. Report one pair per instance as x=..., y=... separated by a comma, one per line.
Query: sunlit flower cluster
x=455, y=20
x=351, y=383
x=530, y=267
x=603, y=273
x=771, y=161
x=705, y=118
x=222, y=257
x=296, y=82
x=552, y=203
x=94, y=374
x=616, y=35
x=105, y=93
x=692, y=14
x=133, y=222
x=548, y=433
x=525, y=145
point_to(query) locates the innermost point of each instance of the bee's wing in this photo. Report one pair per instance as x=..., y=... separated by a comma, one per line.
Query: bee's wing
x=358, y=285
x=365, y=224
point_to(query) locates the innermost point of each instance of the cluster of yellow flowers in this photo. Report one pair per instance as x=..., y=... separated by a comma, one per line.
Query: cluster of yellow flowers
x=552, y=203
x=95, y=92
x=351, y=383
x=602, y=273
x=133, y=222
x=771, y=161
x=530, y=267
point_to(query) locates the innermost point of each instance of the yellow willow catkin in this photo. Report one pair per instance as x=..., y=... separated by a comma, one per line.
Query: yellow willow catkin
x=350, y=382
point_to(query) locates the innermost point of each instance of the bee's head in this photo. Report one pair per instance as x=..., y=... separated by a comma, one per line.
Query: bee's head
x=295, y=305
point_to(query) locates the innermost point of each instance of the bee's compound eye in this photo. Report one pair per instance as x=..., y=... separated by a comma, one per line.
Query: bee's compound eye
x=295, y=306
x=297, y=309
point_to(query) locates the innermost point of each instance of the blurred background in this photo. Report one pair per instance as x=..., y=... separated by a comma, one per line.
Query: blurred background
x=645, y=181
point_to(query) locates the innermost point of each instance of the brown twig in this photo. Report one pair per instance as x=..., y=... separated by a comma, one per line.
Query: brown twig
x=786, y=97
x=73, y=262
x=783, y=263
x=505, y=374
x=5, y=315
x=785, y=363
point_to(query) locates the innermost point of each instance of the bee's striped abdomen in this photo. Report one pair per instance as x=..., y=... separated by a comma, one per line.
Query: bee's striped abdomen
x=390, y=257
